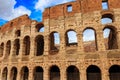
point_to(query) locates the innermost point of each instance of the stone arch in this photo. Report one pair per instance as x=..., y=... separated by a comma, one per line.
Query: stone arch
x=73, y=73
x=54, y=73
x=4, y=73
x=8, y=47
x=16, y=46
x=89, y=39
x=114, y=72
x=18, y=33
x=1, y=49
x=54, y=42
x=71, y=37
x=110, y=37
x=26, y=45
x=39, y=44
x=14, y=73
x=24, y=73
x=38, y=73
x=93, y=73
x=107, y=18
x=40, y=27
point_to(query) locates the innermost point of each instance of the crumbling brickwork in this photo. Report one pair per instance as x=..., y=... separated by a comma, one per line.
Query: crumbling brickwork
x=28, y=50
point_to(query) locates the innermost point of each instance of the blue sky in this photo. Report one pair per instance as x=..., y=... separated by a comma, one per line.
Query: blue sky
x=10, y=9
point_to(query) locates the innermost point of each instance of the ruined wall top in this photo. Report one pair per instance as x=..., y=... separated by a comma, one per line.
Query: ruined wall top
x=78, y=6
x=16, y=23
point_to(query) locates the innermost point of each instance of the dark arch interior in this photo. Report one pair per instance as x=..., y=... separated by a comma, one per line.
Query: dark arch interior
x=1, y=49
x=54, y=69
x=38, y=74
x=93, y=73
x=39, y=69
x=114, y=69
x=25, y=73
x=4, y=74
x=39, y=45
x=73, y=73
x=54, y=73
x=93, y=69
x=111, y=40
x=8, y=47
x=17, y=33
x=16, y=46
x=27, y=45
x=114, y=72
x=39, y=27
x=14, y=73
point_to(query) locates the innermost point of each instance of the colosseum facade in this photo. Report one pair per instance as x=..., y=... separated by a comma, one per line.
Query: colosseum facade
x=29, y=51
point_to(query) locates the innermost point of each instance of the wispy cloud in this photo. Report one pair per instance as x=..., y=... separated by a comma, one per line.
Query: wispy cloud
x=42, y=4
x=8, y=12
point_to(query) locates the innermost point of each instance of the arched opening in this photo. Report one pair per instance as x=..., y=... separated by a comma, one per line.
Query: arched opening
x=38, y=73
x=89, y=40
x=4, y=73
x=71, y=38
x=93, y=73
x=16, y=46
x=26, y=46
x=54, y=73
x=17, y=33
x=24, y=73
x=39, y=44
x=114, y=72
x=8, y=48
x=1, y=49
x=107, y=18
x=14, y=73
x=40, y=27
x=73, y=73
x=54, y=42
x=110, y=38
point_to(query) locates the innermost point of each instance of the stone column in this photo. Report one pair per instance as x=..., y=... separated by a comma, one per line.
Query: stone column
x=18, y=74
x=30, y=76
x=80, y=42
x=46, y=74
x=4, y=50
x=83, y=74
x=46, y=44
x=12, y=49
x=118, y=38
x=105, y=75
x=63, y=74
x=46, y=36
x=9, y=74
x=100, y=41
x=21, y=52
x=62, y=42
x=32, y=47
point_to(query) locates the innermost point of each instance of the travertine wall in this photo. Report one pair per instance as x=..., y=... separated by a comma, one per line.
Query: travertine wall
x=85, y=14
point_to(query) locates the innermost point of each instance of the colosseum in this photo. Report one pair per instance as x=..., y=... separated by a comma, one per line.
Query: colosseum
x=56, y=48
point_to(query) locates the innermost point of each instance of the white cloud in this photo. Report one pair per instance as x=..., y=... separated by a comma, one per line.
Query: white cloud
x=42, y=4
x=8, y=12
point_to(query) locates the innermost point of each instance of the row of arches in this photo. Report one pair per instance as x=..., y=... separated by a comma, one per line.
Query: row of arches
x=72, y=73
x=89, y=39
x=71, y=38
x=15, y=46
